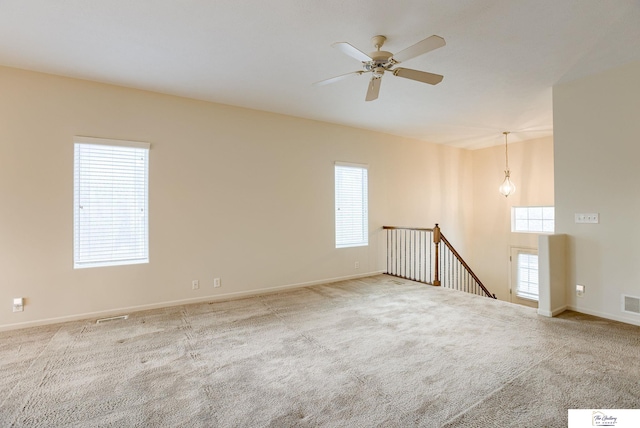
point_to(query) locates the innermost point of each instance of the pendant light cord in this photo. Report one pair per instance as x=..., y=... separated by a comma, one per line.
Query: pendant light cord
x=506, y=150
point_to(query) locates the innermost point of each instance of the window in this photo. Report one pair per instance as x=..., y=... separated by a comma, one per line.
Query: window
x=110, y=202
x=533, y=219
x=527, y=278
x=352, y=219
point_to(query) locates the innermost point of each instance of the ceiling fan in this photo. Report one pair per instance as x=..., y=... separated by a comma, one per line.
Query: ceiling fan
x=377, y=62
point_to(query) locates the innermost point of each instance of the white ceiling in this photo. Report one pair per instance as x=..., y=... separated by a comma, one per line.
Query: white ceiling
x=501, y=59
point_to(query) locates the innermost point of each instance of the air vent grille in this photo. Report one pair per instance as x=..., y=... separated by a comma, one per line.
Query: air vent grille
x=631, y=304
x=119, y=318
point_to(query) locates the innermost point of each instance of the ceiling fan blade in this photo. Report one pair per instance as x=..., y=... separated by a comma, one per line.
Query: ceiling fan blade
x=337, y=78
x=374, y=89
x=426, y=45
x=353, y=52
x=420, y=76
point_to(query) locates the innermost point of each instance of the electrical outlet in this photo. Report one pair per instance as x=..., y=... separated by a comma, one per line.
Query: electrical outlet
x=357, y=266
x=579, y=290
x=216, y=282
x=195, y=284
x=18, y=304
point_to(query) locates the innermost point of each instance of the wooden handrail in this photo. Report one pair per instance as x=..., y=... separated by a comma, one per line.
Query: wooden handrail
x=466, y=266
x=422, y=229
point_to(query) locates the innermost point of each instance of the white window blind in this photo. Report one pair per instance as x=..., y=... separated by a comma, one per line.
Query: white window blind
x=527, y=284
x=352, y=211
x=110, y=202
x=533, y=219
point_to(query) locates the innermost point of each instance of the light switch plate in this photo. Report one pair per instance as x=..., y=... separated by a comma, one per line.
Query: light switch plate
x=593, y=218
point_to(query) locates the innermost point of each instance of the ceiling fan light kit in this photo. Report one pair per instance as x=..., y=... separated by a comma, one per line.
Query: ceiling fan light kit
x=379, y=61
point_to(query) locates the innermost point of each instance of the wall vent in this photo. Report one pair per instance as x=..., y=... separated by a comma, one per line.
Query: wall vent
x=631, y=304
x=121, y=317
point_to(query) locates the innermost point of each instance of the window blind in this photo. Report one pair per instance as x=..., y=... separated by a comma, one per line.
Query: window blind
x=527, y=286
x=352, y=217
x=110, y=202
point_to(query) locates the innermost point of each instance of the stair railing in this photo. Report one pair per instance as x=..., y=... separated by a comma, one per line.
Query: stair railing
x=415, y=254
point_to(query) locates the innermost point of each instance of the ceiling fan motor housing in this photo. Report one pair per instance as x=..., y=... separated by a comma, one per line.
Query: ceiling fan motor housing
x=381, y=61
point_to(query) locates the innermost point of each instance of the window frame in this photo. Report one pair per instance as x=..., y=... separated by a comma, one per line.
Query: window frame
x=543, y=218
x=529, y=253
x=139, y=253
x=341, y=234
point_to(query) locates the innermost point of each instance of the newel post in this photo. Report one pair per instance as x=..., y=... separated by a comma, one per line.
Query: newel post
x=436, y=241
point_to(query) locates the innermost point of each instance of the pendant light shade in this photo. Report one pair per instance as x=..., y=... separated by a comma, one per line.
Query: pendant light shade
x=507, y=187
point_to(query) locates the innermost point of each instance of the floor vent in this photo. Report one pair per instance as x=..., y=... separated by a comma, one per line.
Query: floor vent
x=121, y=317
x=631, y=304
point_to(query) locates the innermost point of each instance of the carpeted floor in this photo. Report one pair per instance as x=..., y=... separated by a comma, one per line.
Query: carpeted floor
x=365, y=353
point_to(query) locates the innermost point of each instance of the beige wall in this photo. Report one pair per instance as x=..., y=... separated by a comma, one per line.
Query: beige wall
x=531, y=165
x=597, y=149
x=243, y=195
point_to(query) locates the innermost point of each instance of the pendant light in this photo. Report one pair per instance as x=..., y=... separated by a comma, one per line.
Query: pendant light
x=507, y=187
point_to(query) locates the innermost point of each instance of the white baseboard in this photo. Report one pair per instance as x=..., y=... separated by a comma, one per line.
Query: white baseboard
x=612, y=317
x=553, y=313
x=559, y=310
x=210, y=298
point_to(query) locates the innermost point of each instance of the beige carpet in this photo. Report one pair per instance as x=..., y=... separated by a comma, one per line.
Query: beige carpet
x=367, y=353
